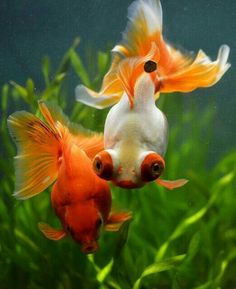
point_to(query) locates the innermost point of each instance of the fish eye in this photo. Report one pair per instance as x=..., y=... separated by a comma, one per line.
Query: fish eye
x=150, y=66
x=103, y=165
x=152, y=167
x=99, y=222
x=156, y=168
x=97, y=165
x=68, y=228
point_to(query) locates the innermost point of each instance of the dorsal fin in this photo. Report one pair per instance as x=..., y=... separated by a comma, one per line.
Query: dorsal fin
x=90, y=142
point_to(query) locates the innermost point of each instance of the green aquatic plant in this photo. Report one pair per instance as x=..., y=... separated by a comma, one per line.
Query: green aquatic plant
x=178, y=239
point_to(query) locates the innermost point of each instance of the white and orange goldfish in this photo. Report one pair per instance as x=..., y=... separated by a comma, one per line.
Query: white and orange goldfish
x=144, y=64
x=175, y=71
x=136, y=131
x=57, y=151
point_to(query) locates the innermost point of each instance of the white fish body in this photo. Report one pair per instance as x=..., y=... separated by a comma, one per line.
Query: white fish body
x=131, y=133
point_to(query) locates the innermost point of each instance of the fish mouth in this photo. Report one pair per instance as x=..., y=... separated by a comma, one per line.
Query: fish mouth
x=127, y=184
x=89, y=248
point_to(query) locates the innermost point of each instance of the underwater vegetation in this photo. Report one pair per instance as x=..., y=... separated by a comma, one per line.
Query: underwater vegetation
x=184, y=238
x=177, y=239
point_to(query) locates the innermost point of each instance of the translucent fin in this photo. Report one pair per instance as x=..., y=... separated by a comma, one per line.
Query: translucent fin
x=116, y=220
x=51, y=233
x=202, y=72
x=176, y=70
x=96, y=100
x=144, y=27
x=170, y=185
x=90, y=142
x=58, y=121
x=90, y=145
x=38, y=153
x=110, y=92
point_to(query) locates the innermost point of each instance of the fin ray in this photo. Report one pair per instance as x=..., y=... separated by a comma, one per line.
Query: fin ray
x=36, y=163
x=171, y=184
x=90, y=142
x=202, y=72
x=116, y=220
x=51, y=233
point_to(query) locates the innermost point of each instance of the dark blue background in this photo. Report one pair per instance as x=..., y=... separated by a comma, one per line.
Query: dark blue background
x=30, y=29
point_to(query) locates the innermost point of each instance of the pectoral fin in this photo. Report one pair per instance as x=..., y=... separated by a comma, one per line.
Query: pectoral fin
x=51, y=233
x=170, y=185
x=116, y=220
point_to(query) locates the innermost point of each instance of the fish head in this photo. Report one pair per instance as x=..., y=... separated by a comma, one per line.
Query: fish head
x=84, y=222
x=130, y=171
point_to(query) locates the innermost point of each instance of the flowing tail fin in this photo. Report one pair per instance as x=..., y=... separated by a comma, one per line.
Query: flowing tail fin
x=38, y=153
x=143, y=28
x=202, y=72
x=40, y=147
x=177, y=71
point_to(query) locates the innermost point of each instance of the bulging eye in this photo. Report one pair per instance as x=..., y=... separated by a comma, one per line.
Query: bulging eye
x=99, y=222
x=152, y=167
x=69, y=230
x=150, y=66
x=103, y=165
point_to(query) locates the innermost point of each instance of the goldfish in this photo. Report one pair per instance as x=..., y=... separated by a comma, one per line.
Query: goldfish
x=135, y=131
x=176, y=71
x=58, y=152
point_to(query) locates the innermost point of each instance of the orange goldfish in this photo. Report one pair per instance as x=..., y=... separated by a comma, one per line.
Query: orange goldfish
x=175, y=71
x=58, y=151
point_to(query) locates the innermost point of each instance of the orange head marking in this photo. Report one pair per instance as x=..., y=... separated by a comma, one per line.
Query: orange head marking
x=103, y=165
x=152, y=167
x=131, y=68
x=83, y=222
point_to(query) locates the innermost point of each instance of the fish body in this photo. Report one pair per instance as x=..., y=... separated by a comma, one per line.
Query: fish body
x=176, y=71
x=135, y=132
x=81, y=201
x=130, y=134
x=49, y=152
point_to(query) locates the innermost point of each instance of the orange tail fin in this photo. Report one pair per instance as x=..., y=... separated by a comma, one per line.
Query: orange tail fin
x=38, y=153
x=177, y=71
